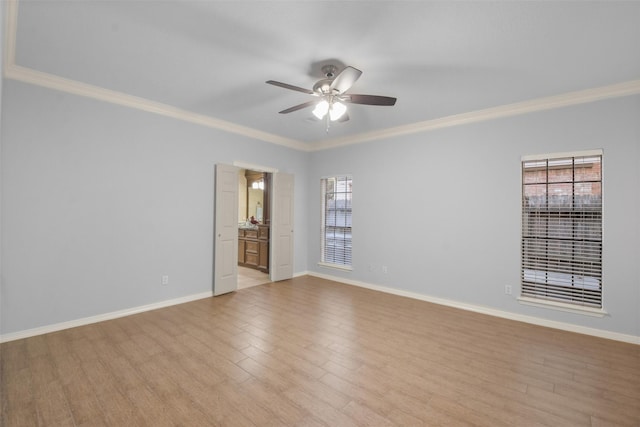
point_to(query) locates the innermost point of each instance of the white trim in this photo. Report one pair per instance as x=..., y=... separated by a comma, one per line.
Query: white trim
x=10, y=33
x=335, y=266
x=584, y=153
x=540, y=104
x=632, y=339
x=323, y=218
x=302, y=273
x=333, y=175
x=557, y=305
x=101, y=317
x=51, y=81
x=567, y=308
x=257, y=168
x=26, y=75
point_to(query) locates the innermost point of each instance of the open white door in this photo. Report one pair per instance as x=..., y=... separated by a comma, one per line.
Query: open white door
x=226, y=230
x=282, y=227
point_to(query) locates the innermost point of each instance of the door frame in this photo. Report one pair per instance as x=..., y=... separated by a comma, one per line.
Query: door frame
x=272, y=171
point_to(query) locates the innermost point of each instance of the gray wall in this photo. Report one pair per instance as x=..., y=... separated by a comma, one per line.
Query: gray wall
x=100, y=201
x=442, y=209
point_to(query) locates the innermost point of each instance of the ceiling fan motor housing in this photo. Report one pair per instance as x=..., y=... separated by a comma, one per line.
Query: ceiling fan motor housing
x=323, y=87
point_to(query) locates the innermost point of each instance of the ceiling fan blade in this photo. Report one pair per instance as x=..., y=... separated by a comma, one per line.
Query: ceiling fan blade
x=369, y=99
x=291, y=87
x=345, y=79
x=298, y=107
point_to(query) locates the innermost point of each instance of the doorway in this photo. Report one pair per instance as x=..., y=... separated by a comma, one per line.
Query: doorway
x=254, y=227
x=227, y=230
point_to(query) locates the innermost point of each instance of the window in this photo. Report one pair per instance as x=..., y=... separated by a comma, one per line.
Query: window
x=562, y=229
x=336, y=221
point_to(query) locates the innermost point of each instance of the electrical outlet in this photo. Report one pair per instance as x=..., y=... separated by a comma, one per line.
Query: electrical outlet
x=385, y=270
x=372, y=267
x=507, y=289
x=165, y=280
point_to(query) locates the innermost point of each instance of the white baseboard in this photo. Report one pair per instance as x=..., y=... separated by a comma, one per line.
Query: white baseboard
x=108, y=316
x=632, y=339
x=302, y=273
x=101, y=317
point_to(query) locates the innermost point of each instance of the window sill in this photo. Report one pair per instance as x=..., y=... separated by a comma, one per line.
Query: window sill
x=560, y=306
x=336, y=266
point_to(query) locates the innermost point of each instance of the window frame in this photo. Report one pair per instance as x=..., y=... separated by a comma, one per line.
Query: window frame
x=527, y=296
x=345, y=247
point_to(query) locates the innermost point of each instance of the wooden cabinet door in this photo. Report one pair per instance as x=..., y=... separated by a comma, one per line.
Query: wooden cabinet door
x=241, y=248
x=251, y=253
x=263, y=256
x=263, y=232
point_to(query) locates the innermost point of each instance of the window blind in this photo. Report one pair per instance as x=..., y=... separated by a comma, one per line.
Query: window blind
x=336, y=220
x=562, y=229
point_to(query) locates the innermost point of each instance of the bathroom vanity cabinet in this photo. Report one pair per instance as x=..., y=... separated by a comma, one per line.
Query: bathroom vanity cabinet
x=253, y=247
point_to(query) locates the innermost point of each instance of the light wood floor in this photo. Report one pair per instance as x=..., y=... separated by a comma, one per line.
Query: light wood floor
x=310, y=352
x=248, y=277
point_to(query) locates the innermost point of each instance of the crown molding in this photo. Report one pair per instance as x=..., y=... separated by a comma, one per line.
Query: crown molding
x=27, y=75
x=508, y=110
x=16, y=72
x=10, y=31
x=50, y=81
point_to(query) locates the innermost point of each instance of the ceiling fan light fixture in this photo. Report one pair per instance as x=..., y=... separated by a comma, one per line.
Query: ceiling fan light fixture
x=321, y=109
x=332, y=94
x=337, y=110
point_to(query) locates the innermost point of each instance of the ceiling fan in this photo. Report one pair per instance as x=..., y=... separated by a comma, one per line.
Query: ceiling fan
x=332, y=94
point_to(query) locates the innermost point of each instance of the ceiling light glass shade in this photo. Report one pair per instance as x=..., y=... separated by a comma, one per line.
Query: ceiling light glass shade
x=321, y=109
x=337, y=110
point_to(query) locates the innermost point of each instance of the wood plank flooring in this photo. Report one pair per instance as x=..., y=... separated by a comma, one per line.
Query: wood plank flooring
x=248, y=277
x=310, y=352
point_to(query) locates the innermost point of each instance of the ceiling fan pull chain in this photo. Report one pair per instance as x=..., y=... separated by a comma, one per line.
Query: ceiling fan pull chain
x=328, y=121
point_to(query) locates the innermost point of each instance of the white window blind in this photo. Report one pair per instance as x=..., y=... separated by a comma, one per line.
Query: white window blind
x=336, y=220
x=562, y=229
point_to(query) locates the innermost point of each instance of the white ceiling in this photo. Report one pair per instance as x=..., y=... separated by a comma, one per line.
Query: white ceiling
x=438, y=58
